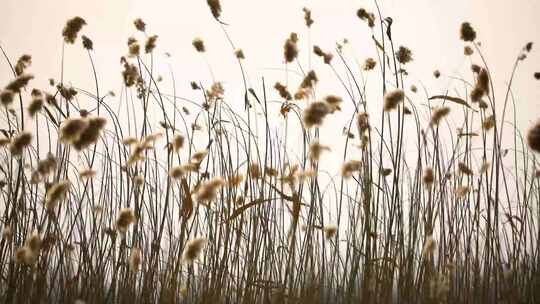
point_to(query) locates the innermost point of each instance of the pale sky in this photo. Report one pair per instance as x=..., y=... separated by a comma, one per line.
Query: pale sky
x=428, y=27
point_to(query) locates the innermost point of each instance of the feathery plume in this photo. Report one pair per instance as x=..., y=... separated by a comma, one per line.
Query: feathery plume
x=91, y=134
x=428, y=177
x=369, y=64
x=19, y=142
x=392, y=99
x=150, y=44
x=139, y=24
x=350, y=167
x=215, y=8
x=208, y=191
x=290, y=49
x=125, y=218
x=22, y=63
x=18, y=83
x=198, y=44
x=307, y=16
x=438, y=114
x=87, y=43
x=314, y=114
x=55, y=194
x=467, y=33
x=533, y=137
x=135, y=259
x=404, y=55
x=6, y=97
x=72, y=28
x=193, y=249
x=330, y=231
x=316, y=149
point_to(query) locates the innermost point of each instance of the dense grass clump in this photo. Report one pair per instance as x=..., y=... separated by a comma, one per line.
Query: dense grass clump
x=150, y=197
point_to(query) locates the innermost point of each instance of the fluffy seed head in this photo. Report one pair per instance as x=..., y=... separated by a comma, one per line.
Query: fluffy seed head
x=307, y=16
x=464, y=169
x=283, y=92
x=429, y=246
x=91, y=134
x=125, y=218
x=22, y=63
x=404, y=55
x=467, y=33
x=150, y=44
x=135, y=259
x=198, y=44
x=6, y=97
x=208, y=191
x=330, y=231
x=178, y=142
x=316, y=149
x=533, y=137
x=72, y=28
x=55, y=194
x=87, y=43
x=314, y=114
x=350, y=167
x=19, y=142
x=72, y=128
x=369, y=64
x=290, y=49
x=18, y=83
x=438, y=114
x=392, y=99
x=215, y=8
x=193, y=249
x=139, y=24
x=428, y=177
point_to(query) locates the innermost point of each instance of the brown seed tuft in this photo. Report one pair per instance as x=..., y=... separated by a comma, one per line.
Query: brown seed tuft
x=18, y=83
x=314, y=114
x=392, y=99
x=125, y=218
x=72, y=28
x=150, y=44
x=467, y=33
x=55, y=194
x=19, y=142
x=193, y=249
x=533, y=137
x=215, y=8
x=404, y=55
x=139, y=24
x=87, y=43
x=438, y=114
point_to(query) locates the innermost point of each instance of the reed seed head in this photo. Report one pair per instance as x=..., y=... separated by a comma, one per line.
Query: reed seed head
x=72, y=28
x=392, y=99
x=193, y=249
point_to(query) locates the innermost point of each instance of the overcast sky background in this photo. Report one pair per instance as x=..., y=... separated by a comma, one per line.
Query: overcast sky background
x=428, y=27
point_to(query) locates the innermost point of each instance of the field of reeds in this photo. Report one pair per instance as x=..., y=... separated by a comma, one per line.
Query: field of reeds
x=145, y=196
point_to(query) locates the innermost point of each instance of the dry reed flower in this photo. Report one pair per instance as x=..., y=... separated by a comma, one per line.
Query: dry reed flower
x=91, y=134
x=255, y=171
x=19, y=82
x=314, y=114
x=327, y=57
x=7, y=233
x=404, y=55
x=178, y=142
x=438, y=114
x=193, y=249
x=316, y=149
x=130, y=140
x=33, y=242
x=537, y=75
x=533, y=137
x=199, y=156
x=386, y=171
x=468, y=51
x=72, y=28
x=67, y=92
x=467, y=33
x=55, y=194
x=87, y=173
x=208, y=191
x=4, y=142
x=235, y=180
x=428, y=177
x=369, y=64
x=333, y=102
x=87, y=43
x=392, y=99
x=462, y=191
x=47, y=165
x=362, y=122
x=414, y=89
x=309, y=81
x=177, y=172
x=20, y=142
x=366, y=16
x=239, y=54
x=283, y=92
x=24, y=255
x=215, y=8
x=36, y=104
x=150, y=44
x=330, y=231
x=307, y=16
x=488, y=123
x=429, y=246
x=125, y=218
x=139, y=24
x=350, y=167
x=6, y=97
x=72, y=128
x=436, y=73
x=22, y=63
x=135, y=259
x=198, y=44
x=290, y=49
x=130, y=74
x=464, y=169
x=134, y=48
x=138, y=180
